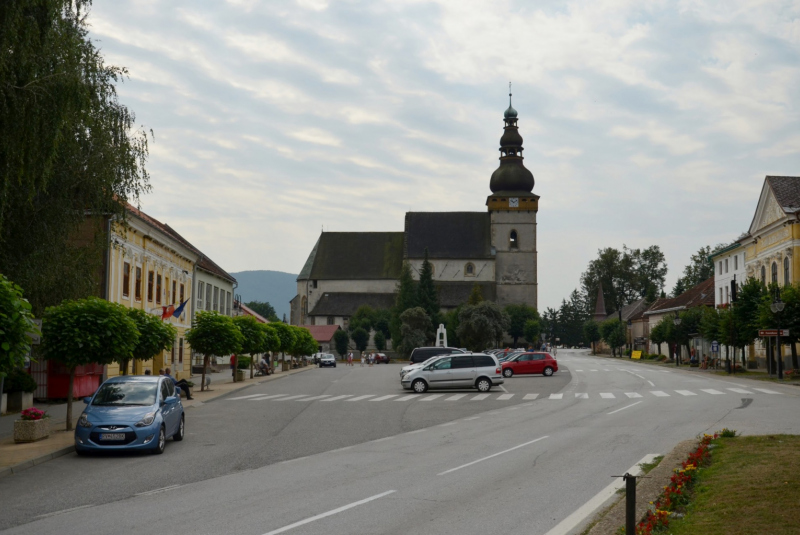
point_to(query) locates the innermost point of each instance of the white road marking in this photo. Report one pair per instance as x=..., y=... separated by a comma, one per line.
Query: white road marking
x=581, y=395
x=244, y=397
x=329, y=513
x=556, y=396
x=712, y=391
x=606, y=370
x=471, y=418
x=592, y=370
x=448, y=423
x=454, y=398
x=492, y=456
x=739, y=390
x=578, y=370
x=292, y=397
x=406, y=398
x=384, y=397
x=633, y=394
x=156, y=491
x=503, y=397
x=430, y=398
x=626, y=407
x=338, y=397
x=304, y=397
x=607, y=395
x=359, y=398
x=480, y=397
x=659, y=394
x=262, y=398
x=686, y=392
x=568, y=524
x=651, y=383
x=530, y=396
x=503, y=388
x=47, y=515
x=417, y=431
x=767, y=391
x=315, y=397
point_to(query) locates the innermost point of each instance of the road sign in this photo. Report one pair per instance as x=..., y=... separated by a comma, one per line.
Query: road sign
x=636, y=355
x=715, y=347
x=763, y=333
x=36, y=338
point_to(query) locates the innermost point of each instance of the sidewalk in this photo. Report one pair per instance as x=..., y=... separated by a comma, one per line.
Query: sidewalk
x=17, y=457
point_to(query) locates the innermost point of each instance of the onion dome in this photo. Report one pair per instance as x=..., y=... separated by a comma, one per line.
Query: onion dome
x=511, y=176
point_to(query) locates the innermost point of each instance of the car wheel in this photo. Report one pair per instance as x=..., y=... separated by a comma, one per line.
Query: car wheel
x=162, y=441
x=419, y=386
x=548, y=371
x=483, y=384
x=178, y=436
x=508, y=372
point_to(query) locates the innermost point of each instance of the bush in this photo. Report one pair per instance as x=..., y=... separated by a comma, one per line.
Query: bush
x=243, y=363
x=18, y=380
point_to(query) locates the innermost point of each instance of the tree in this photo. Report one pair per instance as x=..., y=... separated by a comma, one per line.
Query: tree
x=380, y=341
x=286, y=336
x=572, y=315
x=532, y=330
x=482, y=325
x=658, y=334
x=475, y=296
x=213, y=334
x=16, y=324
x=451, y=323
x=428, y=298
x=364, y=318
x=271, y=340
x=709, y=324
x=405, y=298
x=360, y=337
x=341, y=340
x=383, y=318
x=304, y=342
x=263, y=308
x=690, y=324
x=679, y=288
x=253, y=338
x=67, y=148
x=416, y=324
x=518, y=316
x=155, y=336
x=87, y=331
x=591, y=332
x=613, y=332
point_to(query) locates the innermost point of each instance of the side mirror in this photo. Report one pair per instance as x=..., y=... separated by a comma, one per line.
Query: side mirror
x=87, y=400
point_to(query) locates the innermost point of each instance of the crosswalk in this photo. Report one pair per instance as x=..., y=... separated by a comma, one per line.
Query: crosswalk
x=502, y=397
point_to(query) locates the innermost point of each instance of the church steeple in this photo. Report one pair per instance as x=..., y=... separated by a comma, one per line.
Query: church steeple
x=511, y=176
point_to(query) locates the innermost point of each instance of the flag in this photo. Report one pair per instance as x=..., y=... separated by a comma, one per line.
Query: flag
x=166, y=312
x=178, y=311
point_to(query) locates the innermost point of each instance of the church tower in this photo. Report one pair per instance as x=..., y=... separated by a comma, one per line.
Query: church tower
x=512, y=208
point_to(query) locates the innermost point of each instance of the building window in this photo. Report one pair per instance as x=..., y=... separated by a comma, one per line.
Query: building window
x=736, y=262
x=763, y=275
x=137, y=289
x=158, y=288
x=314, y=284
x=720, y=268
x=150, y=278
x=331, y=320
x=786, y=281
x=720, y=297
x=208, y=296
x=469, y=270
x=228, y=304
x=174, y=293
x=126, y=279
x=774, y=273
x=200, y=289
x=726, y=265
x=172, y=354
x=181, y=295
x=512, y=240
x=216, y=298
x=180, y=350
x=727, y=294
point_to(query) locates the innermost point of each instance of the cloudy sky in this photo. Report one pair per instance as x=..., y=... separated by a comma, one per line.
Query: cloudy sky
x=644, y=122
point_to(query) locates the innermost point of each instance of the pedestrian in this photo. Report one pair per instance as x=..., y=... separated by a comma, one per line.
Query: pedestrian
x=161, y=371
x=362, y=359
x=147, y=372
x=182, y=383
x=350, y=359
x=371, y=359
x=233, y=363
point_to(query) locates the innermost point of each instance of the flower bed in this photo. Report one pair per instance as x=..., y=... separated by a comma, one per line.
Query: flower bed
x=33, y=426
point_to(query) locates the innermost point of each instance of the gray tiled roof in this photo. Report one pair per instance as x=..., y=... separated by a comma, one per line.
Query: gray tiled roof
x=346, y=303
x=786, y=190
x=357, y=256
x=448, y=234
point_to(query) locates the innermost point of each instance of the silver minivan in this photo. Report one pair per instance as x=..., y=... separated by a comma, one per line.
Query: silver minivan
x=470, y=370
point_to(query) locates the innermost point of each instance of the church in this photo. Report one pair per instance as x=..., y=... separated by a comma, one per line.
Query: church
x=495, y=249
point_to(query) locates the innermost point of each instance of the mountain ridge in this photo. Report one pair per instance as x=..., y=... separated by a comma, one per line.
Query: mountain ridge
x=275, y=287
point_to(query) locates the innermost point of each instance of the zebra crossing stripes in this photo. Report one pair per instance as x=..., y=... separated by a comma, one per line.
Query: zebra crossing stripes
x=633, y=394
x=712, y=391
x=556, y=396
x=314, y=398
x=456, y=397
x=607, y=395
x=337, y=398
x=383, y=398
x=530, y=396
x=659, y=394
x=431, y=398
x=480, y=397
x=292, y=397
x=685, y=393
x=504, y=397
x=262, y=398
x=740, y=390
x=406, y=398
x=359, y=398
x=767, y=391
x=245, y=397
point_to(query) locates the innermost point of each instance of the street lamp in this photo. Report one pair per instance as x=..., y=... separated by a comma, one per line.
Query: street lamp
x=677, y=321
x=777, y=307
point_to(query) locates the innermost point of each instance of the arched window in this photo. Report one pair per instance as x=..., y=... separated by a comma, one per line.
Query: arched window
x=469, y=270
x=763, y=275
x=774, y=273
x=786, y=281
x=512, y=240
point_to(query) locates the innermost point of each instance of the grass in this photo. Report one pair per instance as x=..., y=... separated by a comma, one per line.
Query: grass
x=647, y=467
x=752, y=486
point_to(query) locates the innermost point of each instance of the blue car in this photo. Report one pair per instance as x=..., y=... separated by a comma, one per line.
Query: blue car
x=131, y=412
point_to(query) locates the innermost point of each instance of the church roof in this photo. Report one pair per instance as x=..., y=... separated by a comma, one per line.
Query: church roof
x=323, y=334
x=346, y=303
x=698, y=295
x=356, y=256
x=786, y=190
x=464, y=235
x=453, y=294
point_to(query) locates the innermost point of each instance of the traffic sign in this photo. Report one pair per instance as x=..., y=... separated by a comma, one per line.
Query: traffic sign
x=36, y=337
x=763, y=333
x=715, y=347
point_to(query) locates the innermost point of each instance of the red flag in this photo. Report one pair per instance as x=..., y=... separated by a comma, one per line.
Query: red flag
x=166, y=312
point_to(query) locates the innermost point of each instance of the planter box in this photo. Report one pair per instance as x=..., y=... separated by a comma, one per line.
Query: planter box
x=240, y=375
x=31, y=430
x=19, y=401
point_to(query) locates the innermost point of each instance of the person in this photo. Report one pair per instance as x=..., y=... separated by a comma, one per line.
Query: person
x=182, y=383
x=161, y=371
x=350, y=359
x=363, y=356
x=371, y=359
x=264, y=365
x=233, y=363
x=147, y=372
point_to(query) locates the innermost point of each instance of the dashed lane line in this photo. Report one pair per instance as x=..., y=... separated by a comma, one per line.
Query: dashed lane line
x=492, y=456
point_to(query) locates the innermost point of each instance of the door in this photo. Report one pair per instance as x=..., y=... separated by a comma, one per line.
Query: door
x=168, y=410
x=439, y=374
x=537, y=364
x=462, y=371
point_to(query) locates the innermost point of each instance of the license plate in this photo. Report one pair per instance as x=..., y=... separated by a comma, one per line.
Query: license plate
x=112, y=436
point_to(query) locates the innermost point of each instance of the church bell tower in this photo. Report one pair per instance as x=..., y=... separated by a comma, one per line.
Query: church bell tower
x=512, y=208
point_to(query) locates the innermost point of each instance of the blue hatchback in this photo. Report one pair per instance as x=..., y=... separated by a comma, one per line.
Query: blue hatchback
x=131, y=412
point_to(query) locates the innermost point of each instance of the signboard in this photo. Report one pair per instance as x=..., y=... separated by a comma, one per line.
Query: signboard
x=639, y=340
x=715, y=347
x=763, y=333
x=636, y=355
x=36, y=338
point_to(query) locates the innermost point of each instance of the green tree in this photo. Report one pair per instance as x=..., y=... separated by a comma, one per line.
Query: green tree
x=415, y=329
x=253, y=338
x=518, y=316
x=751, y=295
x=68, y=148
x=304, y=343
x=341, y=341
x=532, y=330
x=155, y=336
x=613, y=332
x=475, y=296
x=679, y=288
x=264, y=309
x=691, y=320
x=87, y=331
x=271, y=341
x=482, y=325
x=572, y=314
x=591, y=333
x=286, y=335
x=709, y=324
x=428, y=297
x=405, y=298
x=213, y=334
x=360, y=338
x=451, y=323
x=383, y=318
x=380, y=341
x=658, y=334
x=16, y=323
x=364, y=317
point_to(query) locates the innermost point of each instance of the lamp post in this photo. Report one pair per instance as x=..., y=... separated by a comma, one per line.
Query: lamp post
x=677, y=321
x=777, y=307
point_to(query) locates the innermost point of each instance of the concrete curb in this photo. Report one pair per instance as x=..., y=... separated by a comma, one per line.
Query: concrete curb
x=19, y=467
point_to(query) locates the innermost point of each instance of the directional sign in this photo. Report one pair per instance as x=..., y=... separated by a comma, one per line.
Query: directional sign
x=715, y=347
x=763, y=333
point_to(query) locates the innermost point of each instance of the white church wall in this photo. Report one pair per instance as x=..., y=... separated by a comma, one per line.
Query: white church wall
x=454, y=270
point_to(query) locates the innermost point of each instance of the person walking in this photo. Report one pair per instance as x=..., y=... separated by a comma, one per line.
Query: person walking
x=350, y=359
x=371, y=359
x=362, y=359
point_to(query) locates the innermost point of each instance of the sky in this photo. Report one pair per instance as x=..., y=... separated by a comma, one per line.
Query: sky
x=645, y=123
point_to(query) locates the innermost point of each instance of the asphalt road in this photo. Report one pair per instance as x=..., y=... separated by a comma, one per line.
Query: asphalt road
x=521, y=460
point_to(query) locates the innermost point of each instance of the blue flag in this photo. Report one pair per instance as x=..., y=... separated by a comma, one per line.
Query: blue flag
x=179, y=310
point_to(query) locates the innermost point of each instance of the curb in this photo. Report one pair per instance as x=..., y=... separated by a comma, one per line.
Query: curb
x=19, y=467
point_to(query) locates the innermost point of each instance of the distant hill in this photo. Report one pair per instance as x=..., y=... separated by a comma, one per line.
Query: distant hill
x=275, y=287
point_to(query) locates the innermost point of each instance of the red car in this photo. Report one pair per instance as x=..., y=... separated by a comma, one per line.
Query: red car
x=543, y=363
x=381, y=358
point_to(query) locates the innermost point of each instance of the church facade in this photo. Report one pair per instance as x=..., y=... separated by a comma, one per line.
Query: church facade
x=495, y=249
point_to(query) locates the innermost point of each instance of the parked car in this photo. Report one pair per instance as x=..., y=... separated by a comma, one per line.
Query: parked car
x=381, y=358
x=538, y=362
x=469, y=370
x=327, y=361
x=136, y=412
x=422, y=354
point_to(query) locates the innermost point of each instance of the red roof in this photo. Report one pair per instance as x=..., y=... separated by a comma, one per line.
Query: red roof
x=250, y=312
x=699, y=295
x=322, y=333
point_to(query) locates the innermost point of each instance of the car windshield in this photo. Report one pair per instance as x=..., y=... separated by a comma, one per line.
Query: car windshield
x=131, y=393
